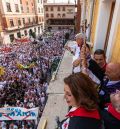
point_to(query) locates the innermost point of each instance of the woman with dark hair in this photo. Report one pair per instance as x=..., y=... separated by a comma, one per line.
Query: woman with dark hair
x=81, y=94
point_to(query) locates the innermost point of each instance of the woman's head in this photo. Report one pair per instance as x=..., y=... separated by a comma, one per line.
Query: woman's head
x=80, y=91
x=115, y=100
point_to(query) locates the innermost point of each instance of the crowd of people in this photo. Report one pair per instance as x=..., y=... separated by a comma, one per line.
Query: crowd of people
x=92, y=90
x=26, y=75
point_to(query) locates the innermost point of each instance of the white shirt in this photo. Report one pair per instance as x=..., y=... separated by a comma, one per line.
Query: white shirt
x=76, y=56
x=66, y=123
x=112, y=82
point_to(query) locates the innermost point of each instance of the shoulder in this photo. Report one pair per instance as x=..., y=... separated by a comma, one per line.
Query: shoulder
x=110, y=121
x=108, y=117
x=84, y=122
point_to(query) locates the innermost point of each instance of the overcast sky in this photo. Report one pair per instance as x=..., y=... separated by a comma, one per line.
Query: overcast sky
x=59, y=1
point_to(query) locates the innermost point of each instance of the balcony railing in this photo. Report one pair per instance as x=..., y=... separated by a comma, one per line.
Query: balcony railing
x=26, y=25
x=60, y=22
x=30, y=24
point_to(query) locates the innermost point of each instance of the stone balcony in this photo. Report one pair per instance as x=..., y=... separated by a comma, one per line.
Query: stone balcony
x=56, y=105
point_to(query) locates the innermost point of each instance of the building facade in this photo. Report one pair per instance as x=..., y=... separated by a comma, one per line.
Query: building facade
x=20, y=17
x=59, y=15
x=1, y=30
x=104, y=18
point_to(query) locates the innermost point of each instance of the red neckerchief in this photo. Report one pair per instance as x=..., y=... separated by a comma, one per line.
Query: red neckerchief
x=84, y=113
x=104, y=66
x=112, y=111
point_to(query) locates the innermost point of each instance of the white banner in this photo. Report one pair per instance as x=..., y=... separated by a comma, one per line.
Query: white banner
x=18, y=113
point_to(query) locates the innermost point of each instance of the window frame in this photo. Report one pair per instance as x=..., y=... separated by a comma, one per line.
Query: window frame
x=11, y=22
x=8, y=6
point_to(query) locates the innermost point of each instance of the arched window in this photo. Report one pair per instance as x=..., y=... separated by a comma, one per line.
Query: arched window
x=63, y=8
x=47, y=15
x=58, y=15
x=63, y=15
x=46, y=8
x=52, y=15
x=58, y=9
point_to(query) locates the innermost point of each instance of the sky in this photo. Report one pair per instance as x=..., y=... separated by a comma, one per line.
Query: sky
x=61, y=1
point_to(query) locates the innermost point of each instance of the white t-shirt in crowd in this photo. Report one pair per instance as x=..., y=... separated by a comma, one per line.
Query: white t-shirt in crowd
x=76, y=56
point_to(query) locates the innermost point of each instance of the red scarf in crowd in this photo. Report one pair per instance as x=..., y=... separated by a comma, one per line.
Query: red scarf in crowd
x=112, y=111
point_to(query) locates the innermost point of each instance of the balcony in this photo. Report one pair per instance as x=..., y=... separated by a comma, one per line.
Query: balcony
x=60, y=22
x=56, y=105
x=17, y=28
x=30, y=24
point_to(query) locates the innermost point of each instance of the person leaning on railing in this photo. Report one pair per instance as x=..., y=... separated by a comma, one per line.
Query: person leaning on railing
x=81, y=94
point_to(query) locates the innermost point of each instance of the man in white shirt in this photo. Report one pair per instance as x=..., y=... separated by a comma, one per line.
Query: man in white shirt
x=75, y=50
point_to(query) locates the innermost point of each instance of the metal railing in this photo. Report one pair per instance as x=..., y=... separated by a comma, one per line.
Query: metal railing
x=44, y=124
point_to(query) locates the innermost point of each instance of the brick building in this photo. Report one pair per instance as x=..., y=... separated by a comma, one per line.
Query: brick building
x=59, y=15
x=19, y=17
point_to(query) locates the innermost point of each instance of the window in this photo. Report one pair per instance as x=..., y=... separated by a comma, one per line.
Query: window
x=58, y=8
x=63, y=8
x=33, y=20
x=52, y=15
x=42, y=28
x=40, y=19
x=25, y=32
x=22, y=9
x=41, y=10
x=63, y=15
x=38, y=29
x=11, y=37
x=29, y=20
x=19, y=22
x=41, y=1
x=46, y=8
x=20, y=1
x=58, y=15
x=35, y=29
x=27, y=9
x=33, y=9
x=38, y=10
x=47, y=15
x=8, y=7
x=23, y=20
x=11, y=23
x=26, y=2
x=16, y=8
x=19, y=35
x=51, y=8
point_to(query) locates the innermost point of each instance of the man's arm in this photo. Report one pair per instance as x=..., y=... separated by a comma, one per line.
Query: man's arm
x=76, y=62
x=69, y=49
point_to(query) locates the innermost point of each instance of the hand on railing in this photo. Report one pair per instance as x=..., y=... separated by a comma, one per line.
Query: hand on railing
x=83, y=59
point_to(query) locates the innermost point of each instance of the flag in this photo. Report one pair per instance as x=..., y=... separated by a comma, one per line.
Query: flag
x=2, y=70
